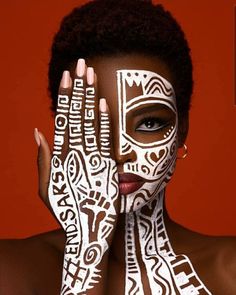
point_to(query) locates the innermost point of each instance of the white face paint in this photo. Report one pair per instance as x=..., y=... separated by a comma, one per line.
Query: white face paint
x=155, y=160
x=167, y=272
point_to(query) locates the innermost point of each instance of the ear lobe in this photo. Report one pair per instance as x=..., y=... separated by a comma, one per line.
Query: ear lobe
x=183, y=129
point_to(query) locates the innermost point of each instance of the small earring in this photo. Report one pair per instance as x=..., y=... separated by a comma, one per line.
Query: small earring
x=185, y=152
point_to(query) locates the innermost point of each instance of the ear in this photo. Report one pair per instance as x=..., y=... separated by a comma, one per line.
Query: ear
x=183, y=129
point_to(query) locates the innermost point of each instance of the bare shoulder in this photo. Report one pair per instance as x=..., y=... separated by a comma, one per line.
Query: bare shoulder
x=214, y=259
x=29, y=266
x=220, y=257
x=225, y=252
x=222, y=251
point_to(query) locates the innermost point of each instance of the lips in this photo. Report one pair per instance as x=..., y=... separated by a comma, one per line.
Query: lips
x=129, y=183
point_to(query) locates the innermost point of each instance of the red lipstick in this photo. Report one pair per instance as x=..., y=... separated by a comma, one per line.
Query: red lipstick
x=129, y=183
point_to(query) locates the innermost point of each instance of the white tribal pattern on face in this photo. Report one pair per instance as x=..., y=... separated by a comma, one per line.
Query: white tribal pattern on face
x=83, y=187
x=156, y=160
x=167, y=272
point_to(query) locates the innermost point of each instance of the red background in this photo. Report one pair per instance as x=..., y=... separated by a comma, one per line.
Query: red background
x=201, y=195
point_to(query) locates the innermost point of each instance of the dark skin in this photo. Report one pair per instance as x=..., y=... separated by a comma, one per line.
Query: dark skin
x=34, y=265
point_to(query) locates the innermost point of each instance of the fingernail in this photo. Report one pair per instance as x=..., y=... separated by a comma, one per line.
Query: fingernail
x=70, y=82
x=90, y=76
x=36, y=136
x=80, y=68
x=65, y=81
x=103, y=105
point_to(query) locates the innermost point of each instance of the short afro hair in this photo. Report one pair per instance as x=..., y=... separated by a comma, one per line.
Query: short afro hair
x=114, y=27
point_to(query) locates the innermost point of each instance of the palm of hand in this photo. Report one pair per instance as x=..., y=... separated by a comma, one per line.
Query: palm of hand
x=83, y=187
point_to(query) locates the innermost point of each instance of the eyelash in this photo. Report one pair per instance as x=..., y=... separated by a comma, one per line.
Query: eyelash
x=162, y=124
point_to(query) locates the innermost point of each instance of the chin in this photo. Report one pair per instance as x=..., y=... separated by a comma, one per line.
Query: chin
x=143, y=196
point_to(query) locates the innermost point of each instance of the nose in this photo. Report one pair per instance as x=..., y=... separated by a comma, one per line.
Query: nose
x=122, y=150
x=124, y=157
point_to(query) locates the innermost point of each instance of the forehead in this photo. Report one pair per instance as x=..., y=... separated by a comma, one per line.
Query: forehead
x=106, y=69
x=138, y=87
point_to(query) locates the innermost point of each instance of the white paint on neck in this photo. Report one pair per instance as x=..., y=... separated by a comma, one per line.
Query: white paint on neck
x=167, y=272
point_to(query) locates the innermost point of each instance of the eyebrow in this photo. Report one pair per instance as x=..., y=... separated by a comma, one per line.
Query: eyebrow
x=152, y=107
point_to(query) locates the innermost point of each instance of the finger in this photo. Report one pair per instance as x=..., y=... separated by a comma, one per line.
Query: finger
x=76, y=106
x=90, y=114
x=95, y=80
x=61, y=118
x=44, y=159
x=105, y=129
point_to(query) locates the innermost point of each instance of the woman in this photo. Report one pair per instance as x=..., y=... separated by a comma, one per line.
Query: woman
x=117, y=134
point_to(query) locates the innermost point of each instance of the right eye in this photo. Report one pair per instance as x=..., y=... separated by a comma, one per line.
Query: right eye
x=151, y=124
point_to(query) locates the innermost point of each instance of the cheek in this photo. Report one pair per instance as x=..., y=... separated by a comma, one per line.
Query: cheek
x=155, y=165
x=152, y=163
x=153, y=157
x=151, y=160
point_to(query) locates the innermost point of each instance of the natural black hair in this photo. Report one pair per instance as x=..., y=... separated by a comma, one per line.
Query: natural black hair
x=112, y=27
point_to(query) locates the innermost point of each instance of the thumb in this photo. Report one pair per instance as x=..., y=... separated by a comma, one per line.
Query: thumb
x=44, y=162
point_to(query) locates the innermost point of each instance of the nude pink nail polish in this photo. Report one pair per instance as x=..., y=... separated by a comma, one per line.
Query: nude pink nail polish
x=103, y=105
x=65, y=81
x=90, y=75
x=36, y=136
x=80, y=68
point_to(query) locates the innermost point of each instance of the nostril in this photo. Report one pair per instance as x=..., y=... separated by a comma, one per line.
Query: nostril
x=130, y=156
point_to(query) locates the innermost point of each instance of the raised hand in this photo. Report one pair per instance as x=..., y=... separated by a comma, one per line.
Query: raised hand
x=83, y=187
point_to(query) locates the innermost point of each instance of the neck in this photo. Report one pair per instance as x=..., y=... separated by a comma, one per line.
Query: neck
x=142, y=247
x=151, y=222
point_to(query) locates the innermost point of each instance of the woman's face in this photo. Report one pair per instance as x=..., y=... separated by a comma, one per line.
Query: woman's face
x=143, y=112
